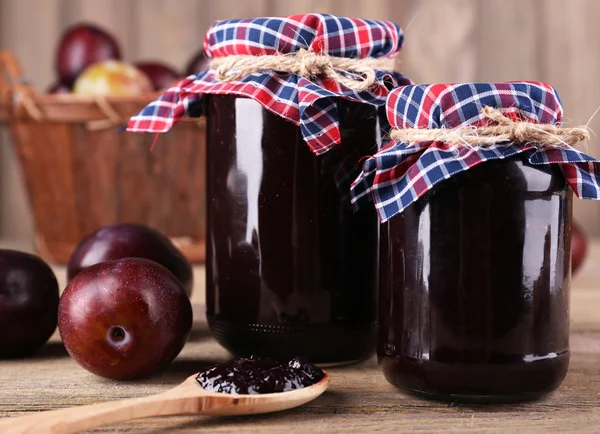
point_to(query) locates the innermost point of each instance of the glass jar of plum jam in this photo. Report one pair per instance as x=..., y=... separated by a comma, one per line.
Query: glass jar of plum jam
x=475, y=245
x=290, y=269
x=468, y=311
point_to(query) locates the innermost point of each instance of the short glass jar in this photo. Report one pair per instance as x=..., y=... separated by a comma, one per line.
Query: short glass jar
x=474, y=285
x=291, y=269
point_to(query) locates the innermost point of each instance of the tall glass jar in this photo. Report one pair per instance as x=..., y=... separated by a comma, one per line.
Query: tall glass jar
x=474, y=285
x=291, y=269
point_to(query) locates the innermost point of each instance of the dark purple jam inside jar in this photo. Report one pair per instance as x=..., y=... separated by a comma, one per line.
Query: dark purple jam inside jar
x=258, y=375
x=474, y=286
x=291, y=269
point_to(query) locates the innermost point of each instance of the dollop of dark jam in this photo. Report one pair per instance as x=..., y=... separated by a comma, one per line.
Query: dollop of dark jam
x=258, y=375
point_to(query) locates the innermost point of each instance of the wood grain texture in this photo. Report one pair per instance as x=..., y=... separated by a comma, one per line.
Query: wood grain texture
x=441, y=42
x=358, y=400
x=178, y=44
x=569, y=62
x=446, y=41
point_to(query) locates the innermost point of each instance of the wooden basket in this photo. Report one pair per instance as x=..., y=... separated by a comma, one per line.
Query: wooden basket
x=81, y=174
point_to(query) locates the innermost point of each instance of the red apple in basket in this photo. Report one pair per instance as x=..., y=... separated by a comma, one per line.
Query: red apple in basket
x=81, y=46
x=112, y=78
x=124, y=319
x=578, y=247
x=197, y=64
x=129, y=240
x=28, y=303
x=161, y=75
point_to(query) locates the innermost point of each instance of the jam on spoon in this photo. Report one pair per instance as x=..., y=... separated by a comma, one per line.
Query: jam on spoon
x=258, y=375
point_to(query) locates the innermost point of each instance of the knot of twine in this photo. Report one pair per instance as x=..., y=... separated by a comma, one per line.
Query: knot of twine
x=355, y=74
x=505, y=130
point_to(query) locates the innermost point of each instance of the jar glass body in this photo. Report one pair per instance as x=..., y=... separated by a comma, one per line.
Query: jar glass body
x=291, y=270
x=474, y=286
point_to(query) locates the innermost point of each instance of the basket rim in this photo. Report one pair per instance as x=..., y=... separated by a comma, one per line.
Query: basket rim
x=20, y=102
x=73, y=98
x=68, y=108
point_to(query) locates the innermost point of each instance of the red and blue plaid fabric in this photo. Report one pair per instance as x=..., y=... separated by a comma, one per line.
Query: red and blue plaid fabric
x=309, y=103
x=400, y=173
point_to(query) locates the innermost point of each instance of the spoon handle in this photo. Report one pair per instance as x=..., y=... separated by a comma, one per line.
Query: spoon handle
x=76, y=419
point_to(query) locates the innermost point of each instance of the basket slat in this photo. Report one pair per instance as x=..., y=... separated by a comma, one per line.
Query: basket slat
x=94, y=167
x=46, y=156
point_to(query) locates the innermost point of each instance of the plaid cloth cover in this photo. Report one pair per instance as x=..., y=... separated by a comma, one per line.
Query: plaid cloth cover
x=309, y=103
x=400, y=173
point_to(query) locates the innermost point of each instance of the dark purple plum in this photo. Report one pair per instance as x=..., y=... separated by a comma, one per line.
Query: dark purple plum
x=28, y=303
x=81, y=46
x=124, y=319
x=197, y=64
x=129, y=240
x=579, y=246
x=162, y=76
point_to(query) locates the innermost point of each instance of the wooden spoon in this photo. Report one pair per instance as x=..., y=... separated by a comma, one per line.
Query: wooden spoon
x=187, y=398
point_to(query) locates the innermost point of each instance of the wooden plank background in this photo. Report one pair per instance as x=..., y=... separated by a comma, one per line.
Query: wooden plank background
x=446, y=41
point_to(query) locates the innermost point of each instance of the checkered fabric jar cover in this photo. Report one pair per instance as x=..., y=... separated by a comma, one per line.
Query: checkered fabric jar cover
x=309, y=103
x=400, y=173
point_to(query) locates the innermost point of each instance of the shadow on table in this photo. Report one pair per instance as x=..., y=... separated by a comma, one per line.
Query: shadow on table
x=51, y=350
x=200, y=332
x=418, y=403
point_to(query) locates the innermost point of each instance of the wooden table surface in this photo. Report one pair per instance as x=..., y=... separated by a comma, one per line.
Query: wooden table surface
x=358, y=400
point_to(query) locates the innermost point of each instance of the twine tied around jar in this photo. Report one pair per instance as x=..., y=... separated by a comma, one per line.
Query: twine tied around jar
x=505, y=130
x=355, y=74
